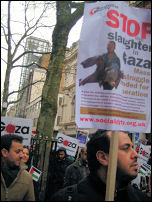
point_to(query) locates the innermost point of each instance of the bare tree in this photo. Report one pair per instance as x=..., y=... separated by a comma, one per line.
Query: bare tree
x=65, y=20
x=30, y=26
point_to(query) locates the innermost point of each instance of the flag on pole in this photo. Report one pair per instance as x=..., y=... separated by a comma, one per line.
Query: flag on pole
x=35, y=173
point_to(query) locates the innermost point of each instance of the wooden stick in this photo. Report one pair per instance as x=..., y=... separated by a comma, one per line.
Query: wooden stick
x=112, y=167
x=77, y=158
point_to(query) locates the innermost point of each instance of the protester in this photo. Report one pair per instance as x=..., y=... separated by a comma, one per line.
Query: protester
x=93, y=187
x=27, y=161
x=32, y=152
x=26, y=157
x=16, y=182
x=77, y=170
x=57, y=173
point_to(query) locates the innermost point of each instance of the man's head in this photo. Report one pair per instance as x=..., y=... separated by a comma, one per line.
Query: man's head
x=99, y=142
x=127, y=158
x=111, y=46
x=11, y=150
x=83, y=155
x=98, y=155
x=61, y=153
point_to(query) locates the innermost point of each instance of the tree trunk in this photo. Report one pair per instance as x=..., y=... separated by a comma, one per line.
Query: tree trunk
x=65, y=21
x=9, y=64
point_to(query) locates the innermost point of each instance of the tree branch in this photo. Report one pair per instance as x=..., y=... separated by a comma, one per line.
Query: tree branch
x=76, y=15
x=9, y=31
x=31, y=84
x=75, y=5
x=5, y=34
x=14, y=102
x=26, y=32
x=29, y=65
x=26, y=52
x=3, y=60
x=4, y=48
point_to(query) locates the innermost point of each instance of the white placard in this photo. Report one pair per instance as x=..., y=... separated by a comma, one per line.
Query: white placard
x=69, y=143
x=126, y=107
x=17, y=126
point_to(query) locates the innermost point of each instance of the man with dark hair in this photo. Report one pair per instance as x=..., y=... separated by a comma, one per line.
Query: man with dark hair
x=108, y=71
x=16, y=182
x=93, y=187
x=57, y=171
x=77, y=170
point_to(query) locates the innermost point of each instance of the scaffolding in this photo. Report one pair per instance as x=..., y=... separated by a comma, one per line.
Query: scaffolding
x=31, y=59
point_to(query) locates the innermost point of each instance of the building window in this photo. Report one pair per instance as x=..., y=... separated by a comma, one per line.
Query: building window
x=73, y=106
x=60, y=101
x=58, y=120
x=31, y=108
x=35, y=122
x=39, y=104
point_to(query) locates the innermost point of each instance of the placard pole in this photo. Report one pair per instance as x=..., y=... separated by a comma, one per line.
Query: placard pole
x=111, y=175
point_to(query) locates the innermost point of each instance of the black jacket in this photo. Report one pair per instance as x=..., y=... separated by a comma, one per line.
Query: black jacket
x=75, y=172
x=92, y=188
x=59, y=174
x=56, y=174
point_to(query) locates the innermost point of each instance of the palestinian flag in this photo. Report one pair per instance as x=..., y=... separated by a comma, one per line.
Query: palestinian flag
x=35, y=173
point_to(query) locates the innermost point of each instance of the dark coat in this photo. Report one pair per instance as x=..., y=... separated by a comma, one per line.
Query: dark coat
x=92, y=188
x=75, y=172
x=56, y=175
x=60, y=172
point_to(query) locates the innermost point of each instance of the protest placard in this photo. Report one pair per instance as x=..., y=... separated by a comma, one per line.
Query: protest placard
x=17, y=126
x=67, y=142
x=82, y=137
x=113, y=81
x=113, y=86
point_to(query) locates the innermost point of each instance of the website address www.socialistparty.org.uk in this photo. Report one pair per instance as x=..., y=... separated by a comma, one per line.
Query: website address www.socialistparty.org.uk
x=113, y=121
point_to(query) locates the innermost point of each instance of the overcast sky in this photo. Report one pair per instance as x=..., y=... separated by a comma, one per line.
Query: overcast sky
x=45, y=33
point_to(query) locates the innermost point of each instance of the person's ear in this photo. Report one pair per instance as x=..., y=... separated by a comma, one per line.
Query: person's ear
x=4, y=152
x=102, y=157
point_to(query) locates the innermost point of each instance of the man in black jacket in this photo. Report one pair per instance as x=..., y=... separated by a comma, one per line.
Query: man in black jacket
x=77, y=170
x=93, y=187
x=57, y=174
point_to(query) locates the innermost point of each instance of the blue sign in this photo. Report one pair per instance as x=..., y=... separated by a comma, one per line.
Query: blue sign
x=82, y=139
x=136, y=136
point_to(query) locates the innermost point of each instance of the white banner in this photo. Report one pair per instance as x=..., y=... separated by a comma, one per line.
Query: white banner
x=113, y=82
x=69, y=143
x=17, y=126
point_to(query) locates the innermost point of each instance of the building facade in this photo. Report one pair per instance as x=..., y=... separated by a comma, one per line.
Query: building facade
x=66, y=107
x=35, y=47
x=32, y=109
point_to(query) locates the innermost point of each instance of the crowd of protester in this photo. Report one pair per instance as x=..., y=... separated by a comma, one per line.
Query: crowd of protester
x=81, y=178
